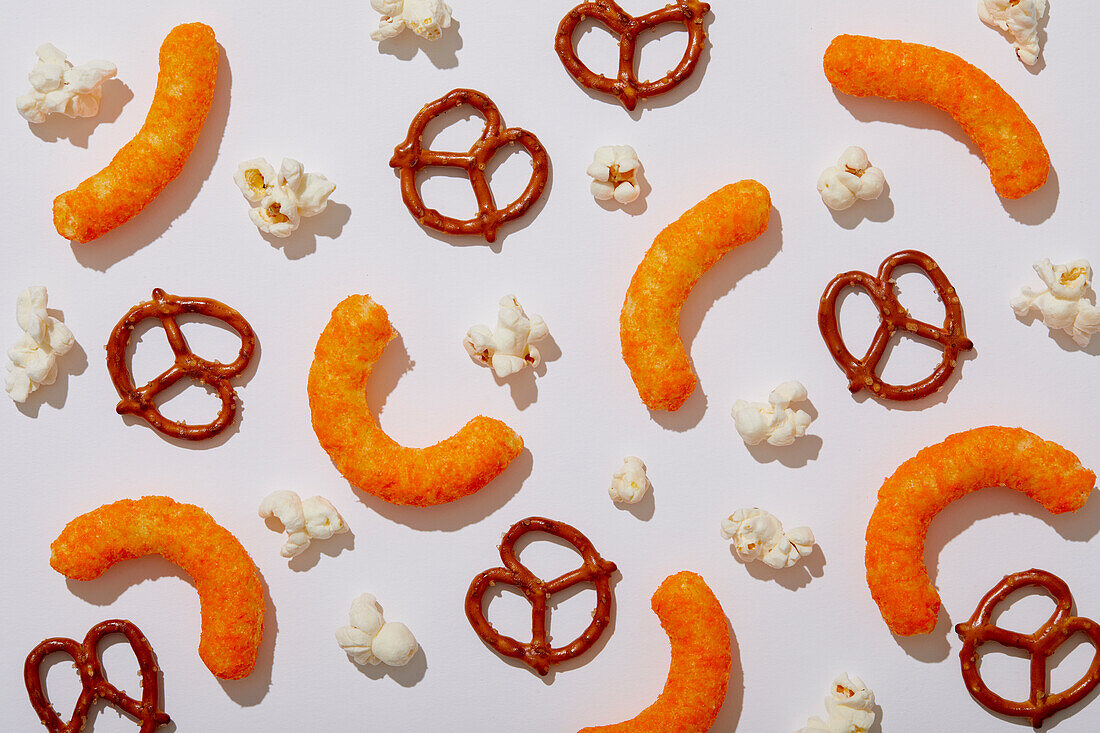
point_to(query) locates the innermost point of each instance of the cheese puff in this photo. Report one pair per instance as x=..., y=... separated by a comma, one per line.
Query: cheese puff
x=700, y=669
x=157, y=154
x=373, y=462
x=870, y=67
x=649, y=326
x=926, y=484
x=229, y=585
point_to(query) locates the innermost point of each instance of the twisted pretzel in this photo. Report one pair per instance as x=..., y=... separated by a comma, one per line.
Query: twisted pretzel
x=140, y=401
x=862, y=373
x=93, y=681
x=411, y=157
x=538, y=654
x=691, y=13
x=1039, y=647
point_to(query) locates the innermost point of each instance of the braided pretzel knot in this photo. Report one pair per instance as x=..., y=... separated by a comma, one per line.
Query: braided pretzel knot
x=93, y=681
x=538, y=654
x=141, y=401
x=862, y=373
x=691, y=13
x=1039, y=647
x=411, y=157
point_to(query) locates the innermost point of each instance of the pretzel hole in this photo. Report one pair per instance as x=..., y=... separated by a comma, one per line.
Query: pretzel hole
x=60, y=683
x=120, y=667
x=1023, y=611
x=1070, y=662
x=210, y=338
x=456, y=130
x=547, y=556
x=597, y=47
x=858, y=319
x=909, y=359
x=659, y=51
x=507, y=609
x=508, y=173
x=570, y=613
x=1005, y=670
x=918, y=295
x=190, y=406
x=448, y=191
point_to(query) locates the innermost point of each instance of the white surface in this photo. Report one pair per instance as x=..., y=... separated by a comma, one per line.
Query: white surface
x=306, y=81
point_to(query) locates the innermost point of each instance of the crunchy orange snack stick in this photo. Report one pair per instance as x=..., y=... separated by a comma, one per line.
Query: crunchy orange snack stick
x=649, y=326
x=157, y=154
x=700, y=668
x=229, y=585
x=871, y=67
x=927, y=483
x=373, y=462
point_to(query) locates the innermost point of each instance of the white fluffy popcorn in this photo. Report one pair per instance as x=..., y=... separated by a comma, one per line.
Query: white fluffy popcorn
x=304, y=521
x=614, y=172
x=758, y=535
x=1020, y=20
x=58, y=86
x=1063, y=305
x=851, y=708
x=630, y=483
x=773, y=421
x=370, y=639
x=280, y=201
x=33, y=358
x=425, y=18
x=507, y=348
x=853, y=177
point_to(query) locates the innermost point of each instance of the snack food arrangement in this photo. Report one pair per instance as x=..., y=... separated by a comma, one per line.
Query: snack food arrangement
x=842, y=422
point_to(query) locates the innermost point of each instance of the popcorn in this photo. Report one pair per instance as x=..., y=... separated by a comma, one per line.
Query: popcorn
x=279, y=202
x=304, y=521
x=425, y=18
x=760, y=536
x=1019, y=19
x=775, y=421
x=371, y=640
x=34, y=356
x=630, y=483
x=1063, y=305
x=853, y=177
x=507, y=348
x=58, y=86
x=851, y=708
x=615, y=170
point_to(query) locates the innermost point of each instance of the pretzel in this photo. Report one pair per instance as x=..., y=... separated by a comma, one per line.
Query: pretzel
x=141, y=401
x=863, y=373
x=690, y=13
x=929, y=482
x=157, y=153
x=1039, y=646
x=410, y=157
x=538, y=654
x=93, y=681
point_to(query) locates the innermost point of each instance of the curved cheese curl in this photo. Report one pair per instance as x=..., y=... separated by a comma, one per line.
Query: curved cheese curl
x=346, y=352
x=927, y=483
x=157, y=154
x=870, y=67
x=229, y=585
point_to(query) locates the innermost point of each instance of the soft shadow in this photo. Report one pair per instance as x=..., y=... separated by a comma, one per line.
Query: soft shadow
x=634, y=208
x=332, y=547
x=406, y=676
x=522, y=383
x=792, y=578
x=71, y=364
x=394, y=363
x=644, y=509
x=1064, y=340
x=1037, y=207
x=175, y=200
x=879, y=210
x=796, y=455
x=78, y=130
x=730, y=714
x=329, y=224
x=443, y=53
x=253, y=689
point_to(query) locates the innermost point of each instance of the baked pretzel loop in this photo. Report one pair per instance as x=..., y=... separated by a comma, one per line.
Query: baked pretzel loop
x=1039, y=646
x=626, y=86
x=140, y=401
x=538, y=653
x=410, y=157
x=93, y=681
x=863, y=373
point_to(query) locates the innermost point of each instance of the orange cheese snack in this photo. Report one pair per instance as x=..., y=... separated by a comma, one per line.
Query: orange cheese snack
x=229, y=585
x=870, y=67
x=927, y=483
x=346, y=352
x=157, y=154
x=700, y=669
x=649, y=326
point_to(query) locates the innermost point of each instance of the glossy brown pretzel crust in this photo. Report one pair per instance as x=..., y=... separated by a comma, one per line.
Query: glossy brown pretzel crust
x=1039, y=647
x=538, y=654
x=862, y=373
x=626, y=86
x=410, y=157
x=141, y=400
x=94, y=682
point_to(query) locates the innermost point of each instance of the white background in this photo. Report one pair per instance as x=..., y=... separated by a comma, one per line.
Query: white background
x=304, y=80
